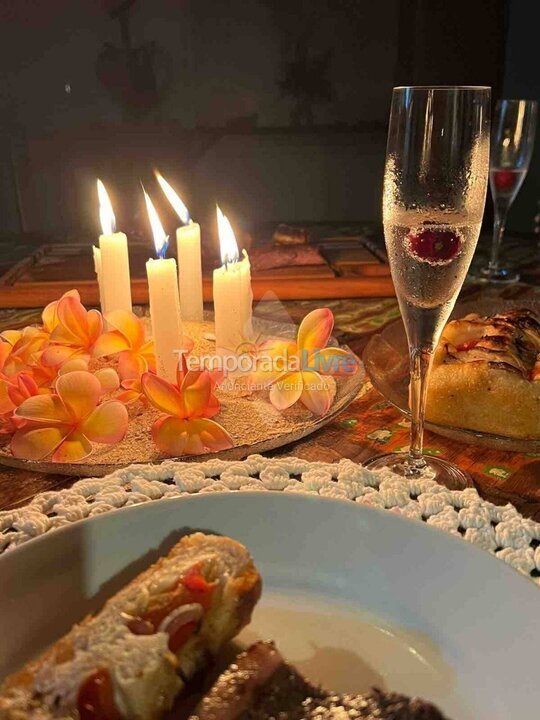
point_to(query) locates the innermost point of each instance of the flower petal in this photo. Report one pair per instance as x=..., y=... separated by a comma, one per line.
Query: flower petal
x=108, y=379
x=73, y=318
x=54, y=355
x=47, y=409
x=94, y=321
x=334, y=361
x=274, y=357
x=131, y=365
x=194, y=445
x=110, y=343
x=77, y=363
x=196, y=390
x=162, y=395
x=49, y=316
x=6, y=403
x=170, y=435
x=11, y=336
x=129, y=396
x=316, y=395
x=148, y=353
x=33, y=443
x=315, y=329
x=107, y=423
x=24, y=388
x=44, y=375
x=214, y=437
x=5, y=349
x=79, y=391
x=213, y=407
x=286, y=390
x=74, y=448
x=129, y=326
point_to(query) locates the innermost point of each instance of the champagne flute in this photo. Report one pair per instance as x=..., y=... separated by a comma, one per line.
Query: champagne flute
x=435, y=185
x=512, y=142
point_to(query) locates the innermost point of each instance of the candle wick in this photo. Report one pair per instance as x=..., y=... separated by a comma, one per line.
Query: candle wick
x=162, y=252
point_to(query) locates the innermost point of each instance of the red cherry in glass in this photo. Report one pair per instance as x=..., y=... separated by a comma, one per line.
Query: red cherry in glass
x=434, y=245
x=504, y=179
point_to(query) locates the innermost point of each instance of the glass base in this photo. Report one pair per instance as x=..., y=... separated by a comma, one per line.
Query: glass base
x=433, y=468
x=501, y=275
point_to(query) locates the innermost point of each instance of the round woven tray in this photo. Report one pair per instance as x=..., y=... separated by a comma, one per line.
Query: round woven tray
x=500, y=530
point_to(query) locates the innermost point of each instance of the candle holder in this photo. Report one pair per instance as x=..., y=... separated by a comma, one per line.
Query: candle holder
x=71, y=386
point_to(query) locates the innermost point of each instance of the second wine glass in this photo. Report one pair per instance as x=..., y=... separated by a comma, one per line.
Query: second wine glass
x=512, y=142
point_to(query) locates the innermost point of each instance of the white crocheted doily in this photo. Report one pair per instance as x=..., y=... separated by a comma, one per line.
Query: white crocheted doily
x=499, y=530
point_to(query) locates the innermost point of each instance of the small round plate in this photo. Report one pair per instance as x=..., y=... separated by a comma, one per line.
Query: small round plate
x=386, y=361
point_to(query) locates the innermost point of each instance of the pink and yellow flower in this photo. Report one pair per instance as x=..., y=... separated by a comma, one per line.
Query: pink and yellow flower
x=185, y=428
x=295, y=371
x=75, y=333
x=66, y=423
x=21, y=349
x=127, y=340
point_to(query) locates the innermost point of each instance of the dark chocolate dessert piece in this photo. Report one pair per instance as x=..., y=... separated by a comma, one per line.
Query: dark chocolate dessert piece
x=260, y=685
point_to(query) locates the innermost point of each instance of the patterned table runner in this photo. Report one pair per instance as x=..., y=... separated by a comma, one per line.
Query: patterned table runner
x=501, y=531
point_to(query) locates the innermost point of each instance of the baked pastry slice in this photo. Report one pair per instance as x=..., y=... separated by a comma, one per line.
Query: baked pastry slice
x=134, y=657
x=486, y=375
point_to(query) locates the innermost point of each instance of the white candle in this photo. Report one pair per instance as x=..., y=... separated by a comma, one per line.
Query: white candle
x=233, y=296
x=165, y=315
x=164, y=302
x=97, y=267
x=188, y=243
x=113, y=277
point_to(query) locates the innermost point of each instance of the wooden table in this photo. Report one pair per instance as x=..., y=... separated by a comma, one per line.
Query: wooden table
x=369, y=426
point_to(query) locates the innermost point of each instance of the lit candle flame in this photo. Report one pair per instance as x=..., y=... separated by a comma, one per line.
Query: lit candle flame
x=161, y=240
x=106, y=214
x=227, y=241
x=178, y=206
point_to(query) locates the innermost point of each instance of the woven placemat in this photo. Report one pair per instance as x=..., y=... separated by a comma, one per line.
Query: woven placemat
x=500, y=530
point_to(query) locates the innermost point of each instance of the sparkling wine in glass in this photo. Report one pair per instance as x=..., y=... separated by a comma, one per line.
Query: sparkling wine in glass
x=512, y=142
x=435, y=186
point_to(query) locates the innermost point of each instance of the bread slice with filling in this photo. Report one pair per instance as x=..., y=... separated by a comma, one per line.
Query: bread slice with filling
x=133, y=658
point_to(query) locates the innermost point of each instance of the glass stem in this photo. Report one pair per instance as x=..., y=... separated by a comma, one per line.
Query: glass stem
x=420, y=361
x=498, y=232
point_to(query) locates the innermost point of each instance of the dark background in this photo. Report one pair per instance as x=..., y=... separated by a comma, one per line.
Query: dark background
x=275, y=108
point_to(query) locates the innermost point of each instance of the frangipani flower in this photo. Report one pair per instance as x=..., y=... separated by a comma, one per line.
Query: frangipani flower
x=21, y=349
x=136, y=355
x=66, y=423
x=185, y=428
x=75, y=334
x=295, y=370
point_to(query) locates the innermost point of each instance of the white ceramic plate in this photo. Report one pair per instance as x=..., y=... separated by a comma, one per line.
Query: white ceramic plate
x=353, y=596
